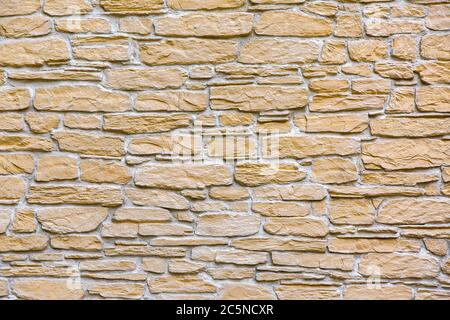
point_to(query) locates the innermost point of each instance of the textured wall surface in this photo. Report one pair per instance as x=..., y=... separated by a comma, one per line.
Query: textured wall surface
x=224, y=149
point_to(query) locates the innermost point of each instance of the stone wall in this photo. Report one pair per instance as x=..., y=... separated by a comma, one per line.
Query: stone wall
x=217, y=149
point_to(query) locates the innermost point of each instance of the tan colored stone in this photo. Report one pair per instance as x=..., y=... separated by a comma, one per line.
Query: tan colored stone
x=348, y=25
x=138, y=25
x=157, y=198
x=185, y=52
x=183, y=177
x=227, y=225
x=11, y=122
x=133, y=124
x=4, y=220
x=33, y=53
x=404, y=47
x=367, y=50
x=394, y=70
x=24, y=27
x=373, y=245
x=433, y=99
x=346, y=123
x=414, y=211
x=67, y=7
x=246, y=292
x=334, y=52
x=334, y=103
x=232, y=147
x=143, y=79
x=120, y=230
x=255, y=174
x=142, y=215
x=183, y=144
x=25, y=143
x=302, y=147
x=11, y=7
x=105, y=53
x=410, y=127
x=166, y=229
x=16, y=163
x=401, y=101
x=56, y=75
x=278, y=23
x=399, y=266
x=279, y=51
x=90, y=145
x=384, y=292
x=68, y=220
x=434, y=72
x=80, y=98
x=351, y=211
x=11, y=189
x=308, y=292
x=82, y=121
x=436, y=246
x=386, y=28
x=360, y=69
x=229, y=193
x=334, y=170
x=279, y=244
x=241, y=257
x=154, y=265
x=382, y=191
x=4, y=290
x=406, y=154
x=204, y=4
x=24, y=221
x=77, y=243
x=182, y=266
x=98, y=171
x=118, y=290
x=180, y=284
x=257, y=98
x=171, y=101
x=280, y=209
x=42, y=122
x=435, y=47
x=67, y=194
x=52, y=168
x=430, y=294
x=45, y=290
x=397, y=178
x=23, y=243
x=311, y=192
x=371, y=86
x=437, y=18
x=205, y=25
x=314, y=260
x=294, y=226
x=133, y=7
x=14, y=99
x=91, y=25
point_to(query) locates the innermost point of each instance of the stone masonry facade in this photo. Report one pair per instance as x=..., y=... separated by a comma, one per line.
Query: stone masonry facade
x=224, y=149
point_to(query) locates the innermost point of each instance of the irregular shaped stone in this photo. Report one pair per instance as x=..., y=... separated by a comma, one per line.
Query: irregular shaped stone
x=351, y=211
x=68, y=220
x=406, y=154
x=348, y=25
x=204, y=4
x=362, y=192
x=11, y=189
x=347, y=123
x=437, y=18
x=280, y=209
x=279, y=23
x=334, y=170
x=90, y=145
x=182, y=177
x=398, y=178
x=386, y=28
x=16, y=163
x=172, y=101
x=312, y=192
x=295, y=226
x=434, y=72
x=255, y=174
x=77, y=243
x=180, y=284
x=42, y=122
x=133, y=7
x=24, y=27
x=205, y=25
x=23, y=243
x=11, y=7
x=384, y=292
x=92, y=25
x=80, y=98
x=404, y=47
x=229, y=193
x=33, y=53
x=279, y=244
x=4, y=220
x=40, y=289
x=396, y=71
x=157, y=198
x=314, y=260
x=158, y=229
x=143, y=79
x=279, y=51
x=14, y=99
x=246, y=292
x=414, y=211
x=67, y=7
x=135, y=123
x=367, y=50
x=241, y=257
x=25, y=143
x=228, y=225
x=335, y=103
x=373, y=245
x=257, y=98
x=410, y=127
x=66, y=194
x=118, y=290
x=185, y=52
x=52, y=168
x=398, y=266
x=433, y=99
x=435, y=47
x=308, y=292
x=97, y=171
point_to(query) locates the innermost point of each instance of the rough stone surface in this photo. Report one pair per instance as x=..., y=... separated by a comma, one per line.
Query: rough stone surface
x=224, y=149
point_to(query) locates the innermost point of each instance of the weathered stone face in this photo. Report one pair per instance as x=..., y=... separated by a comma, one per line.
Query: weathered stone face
x=224, y=149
